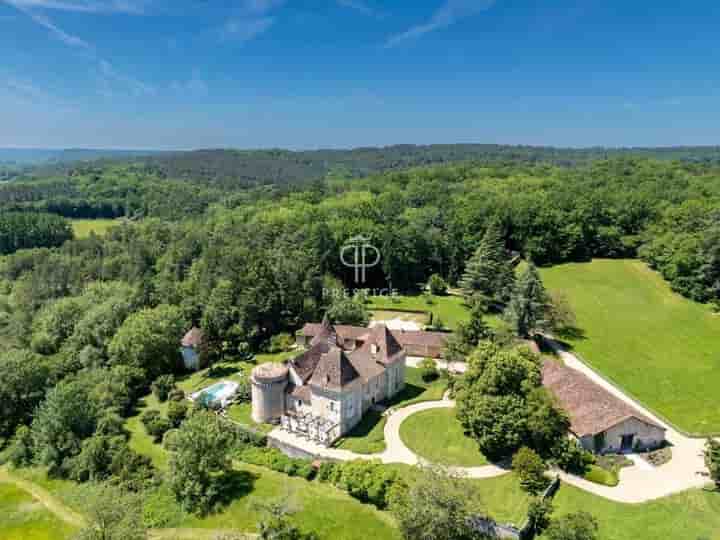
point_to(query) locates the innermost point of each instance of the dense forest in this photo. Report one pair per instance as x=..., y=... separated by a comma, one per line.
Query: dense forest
x=90, y=325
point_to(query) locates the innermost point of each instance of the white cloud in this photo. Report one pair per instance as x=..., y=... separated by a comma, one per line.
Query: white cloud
x=82, y=6
x=360, y=7
x=62, y=35
x=446, y=15
x=260, y=7
x=246, y=29
x=110, y=75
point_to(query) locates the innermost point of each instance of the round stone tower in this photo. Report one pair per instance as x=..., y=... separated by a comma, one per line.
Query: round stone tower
x=268, y=392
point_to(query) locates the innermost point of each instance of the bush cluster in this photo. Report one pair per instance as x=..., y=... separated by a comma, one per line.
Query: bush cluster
x=367, y=481
x=274, y=459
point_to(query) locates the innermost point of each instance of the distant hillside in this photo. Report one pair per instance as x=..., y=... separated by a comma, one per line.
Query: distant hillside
x=244, y=167
x=36, y=156
x=233, y=169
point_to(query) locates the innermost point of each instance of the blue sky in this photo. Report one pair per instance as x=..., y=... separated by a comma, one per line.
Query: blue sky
x=341, y=73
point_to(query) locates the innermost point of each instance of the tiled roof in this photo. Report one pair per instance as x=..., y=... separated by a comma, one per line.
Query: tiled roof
x=334, y=370
x=591, y=408
x=193, y=338
x=305, y=364
x=300, y=392
x=420, y=337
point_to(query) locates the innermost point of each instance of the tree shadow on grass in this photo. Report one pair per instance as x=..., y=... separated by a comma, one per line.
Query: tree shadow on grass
x=234, y=485
x=567, y=336
x=408, y=393
x=366, y=425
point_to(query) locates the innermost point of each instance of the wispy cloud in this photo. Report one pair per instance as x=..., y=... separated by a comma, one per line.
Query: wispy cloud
x=251, y=19
x=111, y=76
x=360, y=7
x=195, y=86
x=241, y=29
x=83, y=6
x=446, y=15
x=59, y=33
x=25, y=92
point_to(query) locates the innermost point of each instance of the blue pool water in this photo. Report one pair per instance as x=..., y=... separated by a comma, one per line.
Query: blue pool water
x=217, y=392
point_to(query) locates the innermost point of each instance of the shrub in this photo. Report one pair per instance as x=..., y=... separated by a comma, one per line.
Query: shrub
x=162, y=386
x=155, y=424
x=274, y=459
x=170, y=440
x=326, y=471
x=530, y=467
x=177, y=412
x=281, y=343
x=428, y=370
x=576, y=526
x=539, y=512
x=244, y=390
x=571, y=457
x=437, y=285
x=176, y=394
x=20, y=451
x=367, y=481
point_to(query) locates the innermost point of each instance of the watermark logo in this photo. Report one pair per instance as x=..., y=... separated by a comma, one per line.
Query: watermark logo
x=359, y=254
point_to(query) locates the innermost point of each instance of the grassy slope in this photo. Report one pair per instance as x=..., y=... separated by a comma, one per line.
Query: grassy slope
x=447, y=445
x=367, y=437
x=690, y=515
x=449, y=308
x=23, y=518
x=660, y=347
x=83, y=227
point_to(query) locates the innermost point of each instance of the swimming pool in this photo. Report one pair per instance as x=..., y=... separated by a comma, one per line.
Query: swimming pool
x=217, y=394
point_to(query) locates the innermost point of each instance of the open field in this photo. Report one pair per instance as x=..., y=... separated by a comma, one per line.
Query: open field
x=691, y=515
x=450, y=309
x=24, y=518
x=447, y=445
x=658, y=346
x=83, y=227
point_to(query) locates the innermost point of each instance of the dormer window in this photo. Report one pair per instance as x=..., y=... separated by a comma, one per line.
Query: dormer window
x=373, y=349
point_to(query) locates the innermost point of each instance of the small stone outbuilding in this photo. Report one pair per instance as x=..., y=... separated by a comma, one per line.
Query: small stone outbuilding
x=602, y=422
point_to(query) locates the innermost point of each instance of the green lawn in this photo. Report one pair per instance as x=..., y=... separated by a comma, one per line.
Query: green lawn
x=691, y=515
x=416, y=390
x=450, y=309
x=437, y=436
x=368, y=437
x=658, y=346
x=24, y=518
x=83, y=227
x=329, y=512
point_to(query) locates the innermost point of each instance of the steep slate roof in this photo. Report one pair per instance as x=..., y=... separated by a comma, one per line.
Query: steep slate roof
x=193, y=338
x=334, y=370
x=388, y=347
x=305, y=363
x=591, y=408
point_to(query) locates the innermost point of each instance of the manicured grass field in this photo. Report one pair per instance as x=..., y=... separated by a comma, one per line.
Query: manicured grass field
x=437, y=436
x=329, y=512
x=450, y=309
x=24, y=518
x=691, y=515
x=83, y=227
x=367, y=437
x=658, y=346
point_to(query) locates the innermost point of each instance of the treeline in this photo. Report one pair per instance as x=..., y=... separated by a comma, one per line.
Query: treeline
x=94, y=191
x=31, y=230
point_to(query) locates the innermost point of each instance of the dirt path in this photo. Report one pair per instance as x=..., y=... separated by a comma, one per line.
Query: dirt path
x=54, y=505
x=43, y=496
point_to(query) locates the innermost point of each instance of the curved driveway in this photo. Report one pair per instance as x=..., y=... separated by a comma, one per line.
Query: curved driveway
x=639, y=483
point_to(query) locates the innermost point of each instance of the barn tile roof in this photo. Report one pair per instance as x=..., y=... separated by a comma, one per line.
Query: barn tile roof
x=591, y=408
x=193, y=338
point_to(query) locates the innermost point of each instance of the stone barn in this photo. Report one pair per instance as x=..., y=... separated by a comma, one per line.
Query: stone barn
x=601, y=422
